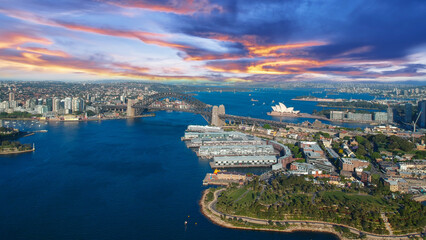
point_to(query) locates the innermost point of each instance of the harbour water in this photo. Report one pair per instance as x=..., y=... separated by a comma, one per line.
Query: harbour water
x=117, y=179
x=239, y=103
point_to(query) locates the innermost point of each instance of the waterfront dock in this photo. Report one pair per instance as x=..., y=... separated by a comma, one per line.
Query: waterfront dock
x=224, y=178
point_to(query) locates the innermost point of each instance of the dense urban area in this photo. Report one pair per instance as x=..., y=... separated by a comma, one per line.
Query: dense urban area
x=368, y=180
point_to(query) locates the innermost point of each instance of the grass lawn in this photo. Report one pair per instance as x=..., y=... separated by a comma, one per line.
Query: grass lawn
x=353, y=197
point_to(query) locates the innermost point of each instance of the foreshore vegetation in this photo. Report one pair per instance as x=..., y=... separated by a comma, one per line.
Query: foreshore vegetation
x=14, y=147
x=300, y=198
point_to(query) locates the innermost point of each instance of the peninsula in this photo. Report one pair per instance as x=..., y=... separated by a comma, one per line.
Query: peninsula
x=8, y=147
x=296, y=203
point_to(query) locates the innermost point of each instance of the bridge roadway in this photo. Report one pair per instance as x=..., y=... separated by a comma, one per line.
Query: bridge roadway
x=248, y=120
x=151, y=108
x=259, y=121
x=225, y=117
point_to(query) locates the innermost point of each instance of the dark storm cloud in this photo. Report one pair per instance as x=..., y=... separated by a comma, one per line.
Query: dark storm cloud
x=390, y=28
x=268, y=40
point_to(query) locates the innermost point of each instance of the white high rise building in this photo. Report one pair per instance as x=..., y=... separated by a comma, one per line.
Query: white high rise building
x=67, y=105
x=56, y=103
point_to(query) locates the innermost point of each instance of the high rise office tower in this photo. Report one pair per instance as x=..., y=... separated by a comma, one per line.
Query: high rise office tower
x=422, y=110
x=390, y=115
x=408, y=112
x=11, y=96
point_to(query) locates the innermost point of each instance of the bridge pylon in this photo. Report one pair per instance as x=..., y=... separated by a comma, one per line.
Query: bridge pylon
x=216, y=111
x=131, y=111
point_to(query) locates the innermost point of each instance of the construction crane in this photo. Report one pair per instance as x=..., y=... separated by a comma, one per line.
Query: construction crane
x=415, y=123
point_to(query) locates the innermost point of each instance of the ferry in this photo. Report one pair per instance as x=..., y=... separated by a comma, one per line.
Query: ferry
x=41, y=131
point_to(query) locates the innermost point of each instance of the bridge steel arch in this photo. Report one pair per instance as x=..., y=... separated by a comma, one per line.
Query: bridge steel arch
x=197, y=106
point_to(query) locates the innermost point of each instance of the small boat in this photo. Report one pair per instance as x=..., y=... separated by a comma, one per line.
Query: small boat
x=41, y=131
x=254, y=100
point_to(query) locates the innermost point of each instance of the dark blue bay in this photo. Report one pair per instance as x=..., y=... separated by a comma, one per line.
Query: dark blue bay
x=117, y=179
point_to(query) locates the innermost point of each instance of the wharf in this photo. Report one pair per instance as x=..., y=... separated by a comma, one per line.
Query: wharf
x=224, y=179
x=213, y=165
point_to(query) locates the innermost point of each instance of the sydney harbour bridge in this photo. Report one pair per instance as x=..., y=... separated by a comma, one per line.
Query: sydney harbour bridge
x=214, y=115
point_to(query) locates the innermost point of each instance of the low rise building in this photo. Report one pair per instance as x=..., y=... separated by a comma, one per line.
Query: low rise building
x=366, y=177
x=224, y=178
x=381, y=117
x=388, y=167
x=235, y=150
x=200, y=128
x=322, y=164
x=298, y=168
x=332, y=154
x=311, y=147
x=419, y=164
x=243, y=161
x=337, y=115
x=396, y=184
x=349, y=164
x=359, y=117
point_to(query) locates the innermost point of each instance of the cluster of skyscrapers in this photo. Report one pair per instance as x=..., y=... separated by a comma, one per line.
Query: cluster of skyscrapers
x=408, y=115
x=42, y=106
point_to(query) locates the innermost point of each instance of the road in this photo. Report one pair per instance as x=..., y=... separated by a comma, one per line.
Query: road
x=212, y=207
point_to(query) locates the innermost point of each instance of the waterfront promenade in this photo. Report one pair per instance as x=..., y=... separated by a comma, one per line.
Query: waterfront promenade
x=210, y=211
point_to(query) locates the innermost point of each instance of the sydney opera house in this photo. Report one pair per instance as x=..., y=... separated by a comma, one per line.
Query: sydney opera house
x=281, y=110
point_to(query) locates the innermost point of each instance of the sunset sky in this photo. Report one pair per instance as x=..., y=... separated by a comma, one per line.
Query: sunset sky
x=209, y=41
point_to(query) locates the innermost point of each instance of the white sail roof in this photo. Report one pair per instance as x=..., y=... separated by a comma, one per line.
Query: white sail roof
x=281, y=108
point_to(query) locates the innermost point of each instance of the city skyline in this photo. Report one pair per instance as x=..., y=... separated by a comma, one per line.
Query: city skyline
x=219, y=42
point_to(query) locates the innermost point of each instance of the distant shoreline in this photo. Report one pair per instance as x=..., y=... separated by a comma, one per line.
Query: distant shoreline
x=20, y=119
x=82, y=120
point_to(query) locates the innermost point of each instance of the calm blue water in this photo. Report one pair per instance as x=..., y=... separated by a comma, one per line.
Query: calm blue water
x=239, y=103
x=117, y=179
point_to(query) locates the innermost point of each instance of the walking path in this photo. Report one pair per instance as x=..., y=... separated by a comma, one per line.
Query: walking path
x=210, y=211
x=387, y=224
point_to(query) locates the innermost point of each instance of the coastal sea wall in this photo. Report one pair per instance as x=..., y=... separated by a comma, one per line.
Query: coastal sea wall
x=16, y=152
